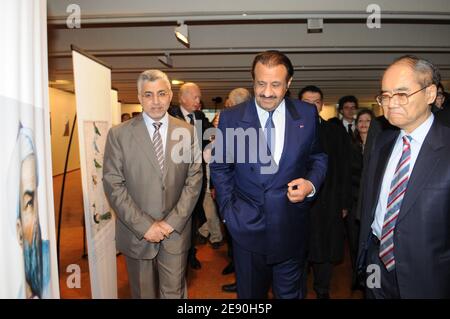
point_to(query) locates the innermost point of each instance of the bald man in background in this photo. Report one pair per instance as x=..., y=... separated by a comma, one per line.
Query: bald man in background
x=189, y=98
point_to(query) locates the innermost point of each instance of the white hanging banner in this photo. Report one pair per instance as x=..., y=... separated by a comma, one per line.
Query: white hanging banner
x=94, y=114
x=28, y=261
x=116, y=118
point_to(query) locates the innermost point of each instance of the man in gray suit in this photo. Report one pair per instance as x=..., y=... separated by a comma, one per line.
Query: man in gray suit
x=153, y=183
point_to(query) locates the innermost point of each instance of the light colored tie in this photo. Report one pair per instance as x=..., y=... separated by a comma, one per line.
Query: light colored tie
x=269, y=129
x=395, y=198
x=157, y=144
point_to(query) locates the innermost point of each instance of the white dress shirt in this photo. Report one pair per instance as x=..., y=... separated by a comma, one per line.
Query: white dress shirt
x=418, y=136
x=279, y=120
x=162, y=130
x=186, y=113
x=345, y=123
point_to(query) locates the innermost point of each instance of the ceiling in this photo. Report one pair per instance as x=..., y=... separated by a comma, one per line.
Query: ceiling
x=348, y=57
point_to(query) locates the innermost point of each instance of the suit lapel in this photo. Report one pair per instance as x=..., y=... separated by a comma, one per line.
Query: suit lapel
x=291, y=131
x=170, y=143
x=250, y=119
x=140, y=133
x=250, y=116
x=427, y=160
x=176, y=112
x=383, y=159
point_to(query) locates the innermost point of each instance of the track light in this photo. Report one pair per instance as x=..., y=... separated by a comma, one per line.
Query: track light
x=166, y=60
x=182, y=33
x=315, y=25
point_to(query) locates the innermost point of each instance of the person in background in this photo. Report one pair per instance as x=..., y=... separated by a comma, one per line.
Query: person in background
x=441, y=100
x=189, y=98
x=211, y=229
x=125, y=117
x=235, y=97
x=333, y=202
x=363, y=121
x=347, y=107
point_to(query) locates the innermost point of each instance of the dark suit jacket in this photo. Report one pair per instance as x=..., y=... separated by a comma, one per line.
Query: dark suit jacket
x=444, y=116
x=333, y=197
x=255, y=207
x=199, y=116
x=422, y=233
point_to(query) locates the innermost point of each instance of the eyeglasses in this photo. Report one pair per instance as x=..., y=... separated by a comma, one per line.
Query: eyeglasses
x=440, y=95
x=402, y=98
x=159, y=94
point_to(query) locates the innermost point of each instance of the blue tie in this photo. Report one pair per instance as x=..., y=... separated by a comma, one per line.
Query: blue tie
x=269, y=130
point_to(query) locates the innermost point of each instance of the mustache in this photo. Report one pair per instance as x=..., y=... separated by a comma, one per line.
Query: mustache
x=267, y=97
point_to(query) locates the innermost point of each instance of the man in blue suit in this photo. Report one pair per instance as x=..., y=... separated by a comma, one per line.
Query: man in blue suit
x=267, y=167
x=405, y=217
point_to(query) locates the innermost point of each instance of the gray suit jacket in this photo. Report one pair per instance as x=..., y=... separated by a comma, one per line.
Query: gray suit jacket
x=140, y=193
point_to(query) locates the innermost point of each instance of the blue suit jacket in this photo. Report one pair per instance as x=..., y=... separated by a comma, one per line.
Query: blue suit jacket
x=422, y=231
x=255, y=206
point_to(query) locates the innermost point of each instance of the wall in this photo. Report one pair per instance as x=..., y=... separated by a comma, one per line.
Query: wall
x=328, y=111
x=62, y=110
x=130, y=108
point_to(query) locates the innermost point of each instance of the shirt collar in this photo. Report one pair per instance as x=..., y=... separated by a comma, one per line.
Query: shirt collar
x=185, y=112
x=421, y=131
x=347, y=123
x=149, y=121
x=261, y=112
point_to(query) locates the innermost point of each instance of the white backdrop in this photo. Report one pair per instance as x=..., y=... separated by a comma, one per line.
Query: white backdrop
x=94, y=115
x=116, y=108
x=28, y=263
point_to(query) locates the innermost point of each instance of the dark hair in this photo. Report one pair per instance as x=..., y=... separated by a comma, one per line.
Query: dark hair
x=310, y=88
x=360, y=113
x=427, y=73
x=345, y=99
x=273, y=58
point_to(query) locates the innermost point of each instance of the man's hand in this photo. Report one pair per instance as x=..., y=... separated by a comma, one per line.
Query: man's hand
x=167, y=229
x=298, y=189
x=344, y=213
x=158, y=231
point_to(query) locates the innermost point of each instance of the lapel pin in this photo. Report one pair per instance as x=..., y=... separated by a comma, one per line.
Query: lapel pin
x=302, y=126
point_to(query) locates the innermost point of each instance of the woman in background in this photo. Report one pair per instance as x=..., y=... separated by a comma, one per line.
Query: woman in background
x=362, y=122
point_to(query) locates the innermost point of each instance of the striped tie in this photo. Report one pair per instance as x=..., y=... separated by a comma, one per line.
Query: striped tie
x=157, y=144
x=395, y=198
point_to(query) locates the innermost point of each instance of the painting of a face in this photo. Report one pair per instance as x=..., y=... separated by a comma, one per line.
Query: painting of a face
x=28, y=204
x=29, y=232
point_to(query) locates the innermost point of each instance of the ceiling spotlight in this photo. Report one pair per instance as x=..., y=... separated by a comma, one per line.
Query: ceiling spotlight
x=177, y=82
x=182, y=33
x=166, y=60
x=315, y=25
